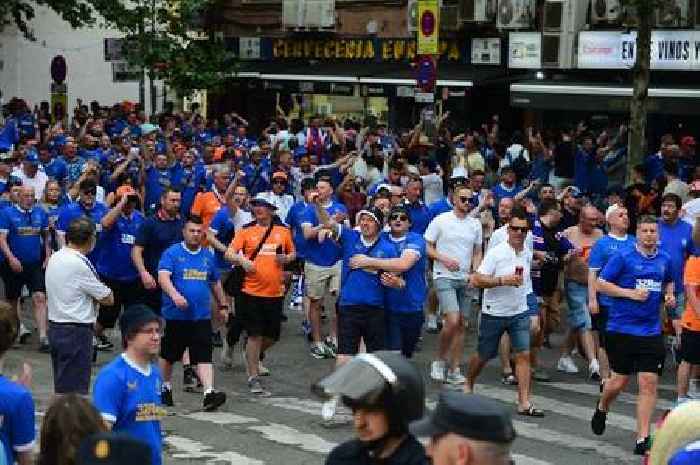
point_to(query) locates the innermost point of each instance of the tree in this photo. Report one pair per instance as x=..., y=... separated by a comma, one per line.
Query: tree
x=637, y=146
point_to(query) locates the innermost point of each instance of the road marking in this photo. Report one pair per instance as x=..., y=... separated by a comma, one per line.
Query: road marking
x=525, y=460
x=562, y=408
x=189, y=449
x=221, y=418
x=309, y=406
x=592, y=390
x=284, y=434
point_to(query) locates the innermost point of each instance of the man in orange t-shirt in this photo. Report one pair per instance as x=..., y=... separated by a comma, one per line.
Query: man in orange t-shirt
x=259, y=306
x=206, y=204
x=690, y=335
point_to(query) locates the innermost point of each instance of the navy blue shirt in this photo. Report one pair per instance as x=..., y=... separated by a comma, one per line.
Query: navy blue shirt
x=602, y=251
x=189, y=181
x=156, y=180
x=155, y=235
x=74, y=210
x=24, y=232
x=118, y=241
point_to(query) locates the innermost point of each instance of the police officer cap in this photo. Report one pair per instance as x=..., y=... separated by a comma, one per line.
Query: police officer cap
x=467, y=415
x=113, y=449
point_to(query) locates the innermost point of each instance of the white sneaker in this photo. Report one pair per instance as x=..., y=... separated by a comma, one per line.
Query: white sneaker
x=455, y=377
x=567, y=365
x=437, y=370
x=594, y=370
x=328, y=409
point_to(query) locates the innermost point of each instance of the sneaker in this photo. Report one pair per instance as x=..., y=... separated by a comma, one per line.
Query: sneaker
x=216, y=340
x=331, y=345
x=598, y=420
x=213, y=399
x=642, y=446
x=262, y=370
x=328, y=409
x=103, y=343
x=44, y=346
x=320, y=351
x=166, y=396
x=437, y=370
x=455, y=377
x=594, y=370
x=567, y=365
x=189, y=379
x=432, y=325
x=255, y=386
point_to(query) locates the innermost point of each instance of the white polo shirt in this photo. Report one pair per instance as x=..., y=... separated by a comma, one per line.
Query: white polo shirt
x=72, y=288
x=455, y=238
x=501, y=260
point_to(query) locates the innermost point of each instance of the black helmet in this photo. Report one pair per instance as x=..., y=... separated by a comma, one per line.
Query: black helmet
x=384, y=380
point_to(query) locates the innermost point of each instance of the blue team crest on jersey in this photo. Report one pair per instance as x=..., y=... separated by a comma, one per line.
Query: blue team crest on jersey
x=131, y=386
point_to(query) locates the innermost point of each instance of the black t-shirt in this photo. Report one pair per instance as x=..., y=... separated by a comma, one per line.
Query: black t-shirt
x=410, y=452
x=564, y=160
x=156, y=235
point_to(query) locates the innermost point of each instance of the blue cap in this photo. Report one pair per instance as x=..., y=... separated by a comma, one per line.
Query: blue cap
x=32, y=158
x=689, y=455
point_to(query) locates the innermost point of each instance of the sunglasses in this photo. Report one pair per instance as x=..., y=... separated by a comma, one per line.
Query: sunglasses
x=90, y=192
x=399, y=217
x=522, y=229
x=464, y=199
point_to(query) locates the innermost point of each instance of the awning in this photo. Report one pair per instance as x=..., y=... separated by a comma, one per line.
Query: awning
x=547, y=95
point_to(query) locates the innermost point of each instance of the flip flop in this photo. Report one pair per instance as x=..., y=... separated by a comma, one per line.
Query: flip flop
x=531, y=411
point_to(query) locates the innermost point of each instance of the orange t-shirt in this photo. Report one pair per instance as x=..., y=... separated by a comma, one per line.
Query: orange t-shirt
x=690, y=319
x=205, y=205
x=267, y=280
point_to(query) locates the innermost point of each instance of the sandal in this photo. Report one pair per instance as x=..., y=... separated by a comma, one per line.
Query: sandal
x=531, y=411
x=509, y=380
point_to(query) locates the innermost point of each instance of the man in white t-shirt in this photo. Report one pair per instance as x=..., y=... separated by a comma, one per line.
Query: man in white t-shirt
x=505, y=276
x=454, y=244
x=691, y=209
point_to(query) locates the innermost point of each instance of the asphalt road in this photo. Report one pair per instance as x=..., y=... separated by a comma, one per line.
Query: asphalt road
x=287, y=427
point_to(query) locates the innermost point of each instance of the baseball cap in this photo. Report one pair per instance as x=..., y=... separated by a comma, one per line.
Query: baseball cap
x=148, y=128
x=261, y=200
x=113, y=449
x=467, y=415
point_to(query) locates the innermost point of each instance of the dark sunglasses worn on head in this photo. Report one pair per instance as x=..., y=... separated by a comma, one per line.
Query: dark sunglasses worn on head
x=399, y=217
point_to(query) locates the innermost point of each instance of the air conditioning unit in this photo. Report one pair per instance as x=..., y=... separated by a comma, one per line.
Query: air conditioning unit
x=515, y=14
x=449, y=18
x=412, y=16
x=564, y=15
x=317, y=14
x=629, y=15
x=479, y=11
x=606, y=12
x=673, y=14
x=249, y=48
x=558, y=49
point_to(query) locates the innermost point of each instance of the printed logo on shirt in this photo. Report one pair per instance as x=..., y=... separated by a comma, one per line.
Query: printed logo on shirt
x=648, y=284
x=128, y=239
x=28, y=231
x=131, y=386
x=149, y=412
x=194, y=274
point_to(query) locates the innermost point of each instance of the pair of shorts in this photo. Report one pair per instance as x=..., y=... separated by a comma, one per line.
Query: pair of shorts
x=491, y=328
x=578, y=315
x=125, y=293
x=260, y=316
x=322, y=280
x=635, y=354
x=180, y=335
x=454, y=296
x=357, y=322
x=32, y=276
x=403, y=331
x=152, y=298
x=690, y=346
x=676, y=312
x=71, y=356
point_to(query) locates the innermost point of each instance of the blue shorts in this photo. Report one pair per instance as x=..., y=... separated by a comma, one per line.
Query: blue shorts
x=577, y=299
x=676, y=312
x=71, y=356
x=491, y=328
x=454, y=295
x=403, y=331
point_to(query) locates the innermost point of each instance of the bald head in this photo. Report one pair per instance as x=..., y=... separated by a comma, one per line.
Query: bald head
x=589, y=217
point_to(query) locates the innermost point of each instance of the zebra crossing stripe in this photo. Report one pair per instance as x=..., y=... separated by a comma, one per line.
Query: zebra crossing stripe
x=183, y=448
x=593, y=390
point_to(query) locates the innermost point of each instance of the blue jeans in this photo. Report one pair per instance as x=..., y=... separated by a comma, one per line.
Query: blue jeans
x=491, y=328
x=403, y=331
x=577, y=299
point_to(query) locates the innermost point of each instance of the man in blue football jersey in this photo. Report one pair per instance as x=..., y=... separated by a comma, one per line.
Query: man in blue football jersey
x=187, y=273
x=24, y=243
x=405, y=293
x=639, y=280
x=127, y=391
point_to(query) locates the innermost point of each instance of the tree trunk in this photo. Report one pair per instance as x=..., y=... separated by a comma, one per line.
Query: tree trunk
x=637, y=148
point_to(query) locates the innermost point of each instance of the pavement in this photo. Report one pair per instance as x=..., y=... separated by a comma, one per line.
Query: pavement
x=287, y=427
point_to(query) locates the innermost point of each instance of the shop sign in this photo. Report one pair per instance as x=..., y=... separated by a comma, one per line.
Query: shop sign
x=372, y=49
x=424, y=97
x=486, y=51
x=670, y=50
x=371, y=90
x=524, y=50
x=428, y=27
x=405, y=91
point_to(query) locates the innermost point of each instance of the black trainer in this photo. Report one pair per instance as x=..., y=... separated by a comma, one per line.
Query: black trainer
x=213, y=399
x=166, y=396
x=216, y=340
x=189, y=379
x=104, y=344
x=598, y=420
x=642, y=446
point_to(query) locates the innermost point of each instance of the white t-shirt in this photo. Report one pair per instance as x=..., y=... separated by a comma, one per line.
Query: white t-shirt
x=38, y=182
x=72, y=288
x=432, y=188
x=690, y=211
x=500, y=236
x=454, y=238
x=502, y=260
x=283, y=203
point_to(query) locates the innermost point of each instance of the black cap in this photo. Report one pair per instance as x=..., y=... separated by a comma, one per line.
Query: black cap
x=113, y=449
x=468, y=415
x=135, y=316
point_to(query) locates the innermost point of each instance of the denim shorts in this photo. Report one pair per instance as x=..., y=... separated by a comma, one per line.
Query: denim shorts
x=491, y=328
x=454, y=295
x=577, y=300
x=676, y=312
